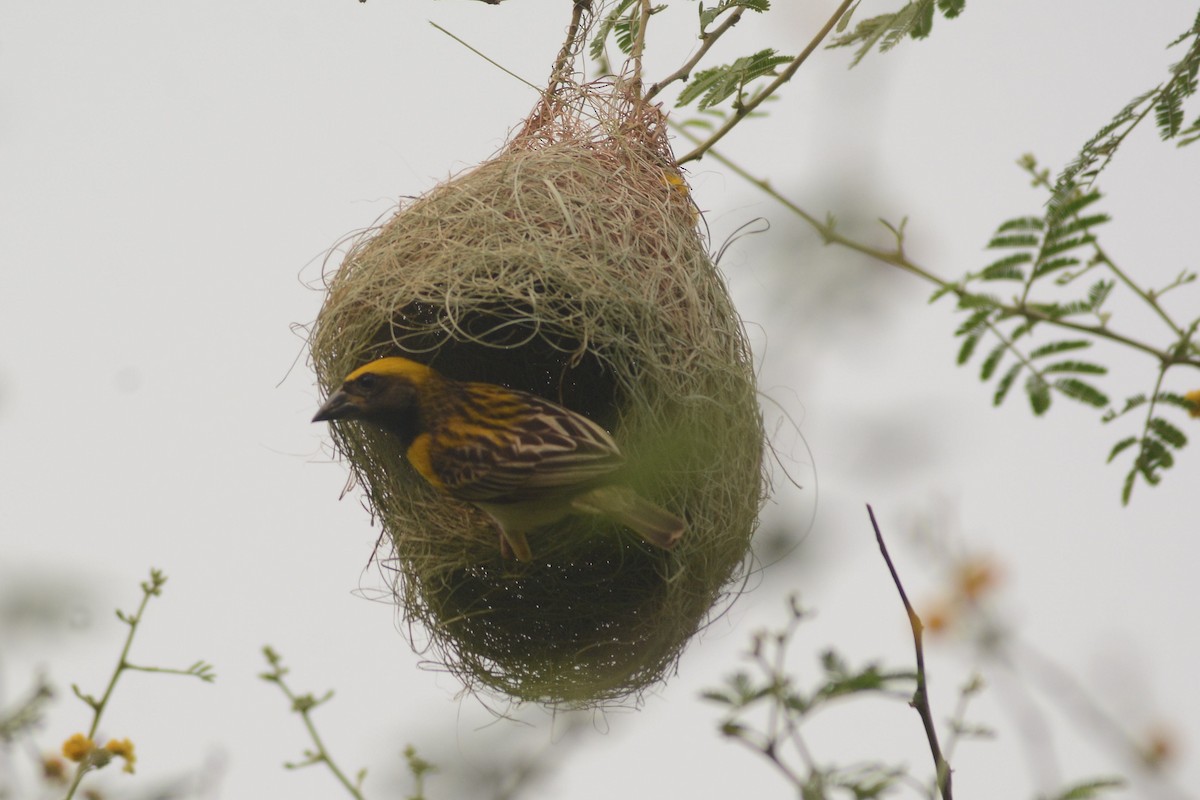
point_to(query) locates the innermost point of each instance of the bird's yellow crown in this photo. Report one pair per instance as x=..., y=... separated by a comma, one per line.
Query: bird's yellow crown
x=394, y=365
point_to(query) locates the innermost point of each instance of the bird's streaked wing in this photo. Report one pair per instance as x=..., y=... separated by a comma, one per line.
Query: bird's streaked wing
x=516, y=446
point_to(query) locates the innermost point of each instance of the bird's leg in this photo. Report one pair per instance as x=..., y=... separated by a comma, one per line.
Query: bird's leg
x=514, y=543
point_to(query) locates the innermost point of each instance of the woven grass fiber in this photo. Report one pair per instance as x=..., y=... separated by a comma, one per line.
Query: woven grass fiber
x=569, y=265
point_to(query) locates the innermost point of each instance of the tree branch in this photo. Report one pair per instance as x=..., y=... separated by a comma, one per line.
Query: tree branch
x=744, y=110
x=897, y=258
x=920, y=700
x=684, y=71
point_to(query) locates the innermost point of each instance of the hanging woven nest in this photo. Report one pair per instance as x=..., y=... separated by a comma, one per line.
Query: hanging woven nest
x=570, y=266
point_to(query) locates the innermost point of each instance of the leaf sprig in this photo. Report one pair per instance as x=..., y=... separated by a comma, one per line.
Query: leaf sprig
x=1166, y=101
x=768, y=688
x=885, y=31
x=716, y=84
x=1062, y=243
x=1035, y=248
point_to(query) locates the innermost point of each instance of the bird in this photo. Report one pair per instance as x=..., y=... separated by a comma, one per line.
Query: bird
x=523, y=460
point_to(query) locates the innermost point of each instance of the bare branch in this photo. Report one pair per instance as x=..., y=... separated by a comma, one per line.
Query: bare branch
x=920, y=700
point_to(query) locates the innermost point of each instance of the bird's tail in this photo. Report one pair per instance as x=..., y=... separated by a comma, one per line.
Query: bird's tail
x=657, y=526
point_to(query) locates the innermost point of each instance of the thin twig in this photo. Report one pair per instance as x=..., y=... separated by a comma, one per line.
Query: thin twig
x=685, y=70
x=639, y=46
x=303, y=705
x=920, y=699
x=1042, y=180
x=1011, y=346
x=1141, y=463
x=745, y=109
x=566, y=55
x=897, y=258
x=495, y=64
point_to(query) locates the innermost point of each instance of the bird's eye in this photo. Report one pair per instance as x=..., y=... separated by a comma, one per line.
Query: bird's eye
x=368, y=382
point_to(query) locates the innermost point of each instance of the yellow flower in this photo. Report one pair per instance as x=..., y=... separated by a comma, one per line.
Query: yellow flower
x=1194, y=396
x=1159, y=747
x=53, y=769
x=938, y=618
x=78, y=747
x=123, y=749
x=975, y=577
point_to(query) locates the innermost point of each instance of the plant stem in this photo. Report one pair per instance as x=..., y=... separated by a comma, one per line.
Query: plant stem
x=920, y=699
x=897, y=258
x=1139, y=462
x=80, y=771
x=323, y=755
x=709, y=40
x=562, y=64
x=639, y=46
x=122, y=662
x=1012, y=348
x=1042, y=180
x=303, y=705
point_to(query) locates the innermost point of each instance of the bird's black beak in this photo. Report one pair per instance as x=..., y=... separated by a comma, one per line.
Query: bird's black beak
x=339, y=405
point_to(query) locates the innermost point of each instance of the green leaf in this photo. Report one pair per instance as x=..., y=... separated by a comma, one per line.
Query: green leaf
x=1098, y=293
x=840, y=680
x=1074, y=307
x=1014, y=240
x=1064, y=246
x=951, y=8
x=1053, y=310
x=1022, y=224
x=905, y=22
x=1154, y=456
x=1178, y=400
x=1053, y=265
x=1183, y=37
x=914, y=19
x=941, y=292
x=1006, y=269
x=923, y=25
x=1083, y=392
x=717, y=696
x=1039, y=394
x=1190, y=134
x=992, y=361
x=1089, y=789
x=709, y=15
x=1082, y=367
x=1168, y=432
x=606, y=27
x=974, y=300
x=1072, y=204
x=974, y=323
x=702, y=124
x=1006, y=383
x=717, y=84
x=1168, y=112
x=1127, y=489
x=1077, y=225
x=624, y=32
x=1130, y=404
x=1060, y=347
x=1023, y=329
x=1101, y=146
x=1122, y=446
x=968, y=347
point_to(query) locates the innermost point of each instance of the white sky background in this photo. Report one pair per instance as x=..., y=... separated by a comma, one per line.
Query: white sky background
x=172, y=175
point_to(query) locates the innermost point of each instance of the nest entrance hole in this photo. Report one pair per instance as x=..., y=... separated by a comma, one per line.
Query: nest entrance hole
x=503, y=343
